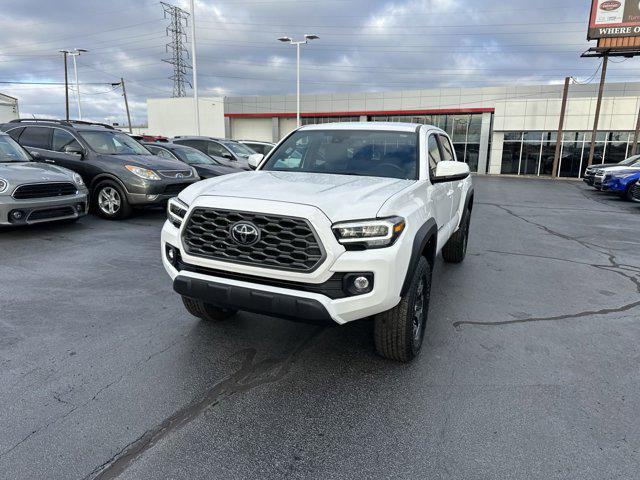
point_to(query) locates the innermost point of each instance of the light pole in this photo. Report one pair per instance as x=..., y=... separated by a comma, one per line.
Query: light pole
x=75, y=53
x=66, y=83
x=194, y=67
x=306, y=40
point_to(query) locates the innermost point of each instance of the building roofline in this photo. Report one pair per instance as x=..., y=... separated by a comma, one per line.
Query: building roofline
x=430, y=111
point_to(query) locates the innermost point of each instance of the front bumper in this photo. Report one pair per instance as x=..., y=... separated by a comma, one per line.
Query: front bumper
x=149, y=192
x=244, y=291
x=40, y=210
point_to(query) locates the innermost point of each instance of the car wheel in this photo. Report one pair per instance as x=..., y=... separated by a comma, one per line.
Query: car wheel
x=399, y=332
x=206, y=311
x=110, y=201
x=455, y=250
x=628, y=193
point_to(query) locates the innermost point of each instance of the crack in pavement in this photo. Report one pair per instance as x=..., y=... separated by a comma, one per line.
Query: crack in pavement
x=250, y=375
x=614, y=266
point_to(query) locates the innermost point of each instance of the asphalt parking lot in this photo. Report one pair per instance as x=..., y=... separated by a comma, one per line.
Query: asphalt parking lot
x=531, y=367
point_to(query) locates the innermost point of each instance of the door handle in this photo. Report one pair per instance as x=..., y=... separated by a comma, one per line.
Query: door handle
x=48, y=160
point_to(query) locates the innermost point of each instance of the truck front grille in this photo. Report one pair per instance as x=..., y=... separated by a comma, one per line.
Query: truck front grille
x=284, y=243
x=44, y=190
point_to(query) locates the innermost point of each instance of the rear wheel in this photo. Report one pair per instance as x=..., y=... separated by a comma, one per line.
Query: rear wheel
x=206, y=311
x=110, y=201
x=455, y=249
x=399, y=332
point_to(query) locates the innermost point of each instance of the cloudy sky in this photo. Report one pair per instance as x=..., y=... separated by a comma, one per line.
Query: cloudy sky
x=365, y=45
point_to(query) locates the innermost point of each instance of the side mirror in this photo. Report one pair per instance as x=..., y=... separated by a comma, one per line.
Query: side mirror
x=451, y=172
x=227, y=155
x=74, y=150
x=254, y=160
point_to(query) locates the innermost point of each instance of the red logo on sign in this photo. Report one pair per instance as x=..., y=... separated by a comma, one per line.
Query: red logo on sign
x=610, y=5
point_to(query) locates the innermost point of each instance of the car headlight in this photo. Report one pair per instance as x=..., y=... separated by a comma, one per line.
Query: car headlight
x=4, y=185
x=78, y=179
x=377, y=233
x=143, y=172
x=176, y=211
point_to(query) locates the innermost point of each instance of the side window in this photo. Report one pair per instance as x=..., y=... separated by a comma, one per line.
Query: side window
x=15, y=133
x=161, y=152
x=36, y=137
x=199, y=144
x=291, y=158
x=447, y=151
x=62, y=139
x=434, y=154
x=214, y=148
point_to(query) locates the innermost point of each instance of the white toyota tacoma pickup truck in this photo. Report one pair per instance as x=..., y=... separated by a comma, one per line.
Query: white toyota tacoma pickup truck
x=339, y=222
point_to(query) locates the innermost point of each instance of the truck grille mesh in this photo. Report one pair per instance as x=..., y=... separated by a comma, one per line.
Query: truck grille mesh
x=286, y=243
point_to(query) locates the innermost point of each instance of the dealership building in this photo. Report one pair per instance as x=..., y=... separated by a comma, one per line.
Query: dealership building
x=496, y=130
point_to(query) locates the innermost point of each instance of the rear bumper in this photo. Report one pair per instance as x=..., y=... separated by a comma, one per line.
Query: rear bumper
x=249, y=299
x=43, y=209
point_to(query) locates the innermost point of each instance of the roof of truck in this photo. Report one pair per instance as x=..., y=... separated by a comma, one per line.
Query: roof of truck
x=378, y=126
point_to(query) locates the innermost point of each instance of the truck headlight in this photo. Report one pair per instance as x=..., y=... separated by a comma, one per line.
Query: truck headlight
x=78, y=179
x=143, y=172
x=4, y=185
x=377, y=233
x=176, y=211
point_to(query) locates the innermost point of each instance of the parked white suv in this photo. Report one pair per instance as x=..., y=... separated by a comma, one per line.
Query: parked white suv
x=338, y=223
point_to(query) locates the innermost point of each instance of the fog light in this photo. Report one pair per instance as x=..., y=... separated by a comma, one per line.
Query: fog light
x=80, y=207
x=173, y=255
x=361, y=284
x=17, y=215
x=151, y=198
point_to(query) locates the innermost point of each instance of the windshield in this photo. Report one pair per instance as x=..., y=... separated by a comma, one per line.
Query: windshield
x=630, y=161
x=110, y=143
x=239, y=149
x=10, y=151
x=348, y=152
x=192, y=156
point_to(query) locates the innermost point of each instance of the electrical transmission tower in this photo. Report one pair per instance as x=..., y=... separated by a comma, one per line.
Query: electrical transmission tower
x=179, y=54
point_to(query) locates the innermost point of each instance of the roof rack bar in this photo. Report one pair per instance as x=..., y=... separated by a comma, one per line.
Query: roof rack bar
x=69, y=123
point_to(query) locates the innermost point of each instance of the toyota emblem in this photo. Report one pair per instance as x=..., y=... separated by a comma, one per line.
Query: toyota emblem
x=245, y=233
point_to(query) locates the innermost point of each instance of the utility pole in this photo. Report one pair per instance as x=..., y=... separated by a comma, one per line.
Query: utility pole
x=596, y=120
x=194, y=70
x=126, y=103
x=66, y=83
x=634, y=148
x=563, y=111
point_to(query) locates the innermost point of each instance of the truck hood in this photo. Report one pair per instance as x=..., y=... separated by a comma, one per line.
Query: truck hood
x=340, y=197
x=17, y=173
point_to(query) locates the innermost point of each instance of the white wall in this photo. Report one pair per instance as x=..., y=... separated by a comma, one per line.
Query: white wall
x=287, y=125
x=8, y=109
x=175, y=116
x=252, y=129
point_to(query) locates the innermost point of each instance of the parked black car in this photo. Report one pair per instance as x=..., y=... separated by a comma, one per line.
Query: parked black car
x=119, y=171
x=258, y=146
x=206, y=166
x=590, y=172
x=226, y=152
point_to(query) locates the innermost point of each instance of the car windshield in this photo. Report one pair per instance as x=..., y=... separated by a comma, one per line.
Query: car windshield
x=239, y=149
x=348, y=152
x=111, y=143
x=10, y=151
x=192, y=156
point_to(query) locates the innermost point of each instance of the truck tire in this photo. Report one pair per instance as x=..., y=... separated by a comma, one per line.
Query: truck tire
x=399, y=332
x=110, y=201
x=206, y=311
x=455, y=249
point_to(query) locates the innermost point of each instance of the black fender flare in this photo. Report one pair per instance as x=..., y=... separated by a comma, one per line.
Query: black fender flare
x=468, y=202
x=428, y=232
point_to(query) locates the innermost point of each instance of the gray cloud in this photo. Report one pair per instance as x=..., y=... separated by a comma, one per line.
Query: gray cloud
x=365, y=46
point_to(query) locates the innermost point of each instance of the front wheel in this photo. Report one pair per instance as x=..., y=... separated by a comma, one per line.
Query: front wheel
x=206, y=311
x=399, y=332
x=628, y=193
x=110, y=201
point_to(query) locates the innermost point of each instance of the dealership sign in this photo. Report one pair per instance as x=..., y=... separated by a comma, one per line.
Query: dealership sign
x=614, y=18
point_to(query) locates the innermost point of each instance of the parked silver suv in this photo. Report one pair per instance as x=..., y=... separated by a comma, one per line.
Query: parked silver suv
x=32, y=192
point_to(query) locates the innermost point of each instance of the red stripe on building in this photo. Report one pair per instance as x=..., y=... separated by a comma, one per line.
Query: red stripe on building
x=449, y=111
